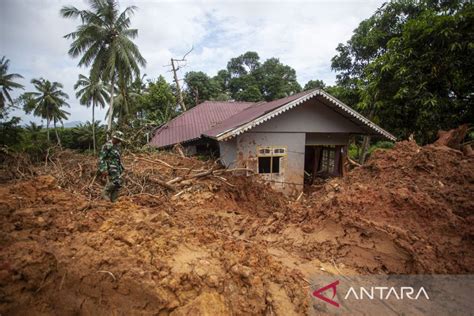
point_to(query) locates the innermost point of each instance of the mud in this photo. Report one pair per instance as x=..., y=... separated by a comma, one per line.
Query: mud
x=224, y=246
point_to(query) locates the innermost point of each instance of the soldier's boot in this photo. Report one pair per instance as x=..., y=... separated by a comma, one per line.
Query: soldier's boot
x=107, y=192
x=114, y=194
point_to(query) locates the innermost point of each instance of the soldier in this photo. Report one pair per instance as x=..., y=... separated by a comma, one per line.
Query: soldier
x=110, y=165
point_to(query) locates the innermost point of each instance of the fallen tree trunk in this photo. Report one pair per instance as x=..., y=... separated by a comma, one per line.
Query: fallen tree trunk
x=162, y=183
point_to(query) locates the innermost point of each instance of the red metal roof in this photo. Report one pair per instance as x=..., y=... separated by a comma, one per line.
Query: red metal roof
x=261, y=112
x=216, y=119
x=251, y=113
x=194, y=122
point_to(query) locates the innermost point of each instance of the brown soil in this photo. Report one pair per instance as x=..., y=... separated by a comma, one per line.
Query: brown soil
x=223, y=245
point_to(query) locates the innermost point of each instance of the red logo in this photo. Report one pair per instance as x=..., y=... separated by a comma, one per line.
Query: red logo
x=332, y=286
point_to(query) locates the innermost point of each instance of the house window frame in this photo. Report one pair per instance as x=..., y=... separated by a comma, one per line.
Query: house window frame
x=271, y=152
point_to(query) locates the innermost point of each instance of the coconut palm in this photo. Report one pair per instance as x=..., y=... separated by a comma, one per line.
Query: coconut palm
x=104, y=42
x=46, y=102
x=126, y=100
x=91, y=93
x=58, y=115
x=7, y=83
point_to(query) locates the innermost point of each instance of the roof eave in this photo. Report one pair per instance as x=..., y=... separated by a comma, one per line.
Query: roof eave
x=263, y=118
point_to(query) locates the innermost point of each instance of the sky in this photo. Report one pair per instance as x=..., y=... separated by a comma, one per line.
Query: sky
x=302, y=34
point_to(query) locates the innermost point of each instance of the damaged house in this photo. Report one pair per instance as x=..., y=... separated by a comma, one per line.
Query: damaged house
x=282, y=140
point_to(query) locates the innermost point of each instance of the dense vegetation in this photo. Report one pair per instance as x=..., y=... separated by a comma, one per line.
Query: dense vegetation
x=408, y=67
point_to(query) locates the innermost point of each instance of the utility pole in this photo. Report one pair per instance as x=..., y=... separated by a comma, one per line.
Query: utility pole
x=175, y=66
x=180, y=93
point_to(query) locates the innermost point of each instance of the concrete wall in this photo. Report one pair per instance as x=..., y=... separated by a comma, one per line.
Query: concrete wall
x=228, y=152
x=291, y=177
x=311, y=123
x=310, y=117
x=327, y=139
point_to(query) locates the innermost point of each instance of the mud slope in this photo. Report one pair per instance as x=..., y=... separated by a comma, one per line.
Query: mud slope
x=223, y=244
x=62, y=254
x=408, y=210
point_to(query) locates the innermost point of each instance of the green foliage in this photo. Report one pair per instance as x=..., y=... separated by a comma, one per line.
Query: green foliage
x=46, y=102
x=200, y=87
x=276, y=80
x=91, y=92
x=408, y=67
x=34, y=142
x=422, y=88
x=7, y=83
x=244, y=79
x=104, y=42
x=11, y=132
x=353, y=152
x=81, y=137
x=157, y=104
x=381, y=145
x=313, y=84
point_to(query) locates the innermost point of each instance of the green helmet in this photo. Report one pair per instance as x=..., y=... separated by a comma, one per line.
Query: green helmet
x=118, y=135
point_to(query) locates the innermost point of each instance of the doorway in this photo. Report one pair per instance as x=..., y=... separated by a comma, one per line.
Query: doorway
x=323, y=162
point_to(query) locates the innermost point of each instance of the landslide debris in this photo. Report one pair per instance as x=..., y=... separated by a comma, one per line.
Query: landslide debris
x=222, y=243
x=408, y=210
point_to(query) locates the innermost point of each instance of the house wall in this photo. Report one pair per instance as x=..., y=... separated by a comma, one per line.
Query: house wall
x=228, y=152
x=327, y=139
x=291, y=177
x=311, y=123
x=312, y=116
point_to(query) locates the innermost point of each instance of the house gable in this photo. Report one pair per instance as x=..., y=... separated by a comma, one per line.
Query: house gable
x=313, y=116
x=260, y=113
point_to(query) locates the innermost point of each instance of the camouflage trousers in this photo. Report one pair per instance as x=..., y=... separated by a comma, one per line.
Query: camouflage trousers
x=112, y=188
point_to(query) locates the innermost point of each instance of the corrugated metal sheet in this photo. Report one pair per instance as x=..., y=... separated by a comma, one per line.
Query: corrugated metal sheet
x=223, y=120
x=259, y=113
x=193, y=123
x=252, y=113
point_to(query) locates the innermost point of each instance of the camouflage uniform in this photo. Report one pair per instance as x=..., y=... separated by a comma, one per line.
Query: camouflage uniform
x=109, y=161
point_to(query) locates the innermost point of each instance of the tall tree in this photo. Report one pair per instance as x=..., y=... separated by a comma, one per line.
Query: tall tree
x=158, y=103
x=46, y=102
x=7, y=83
x=424, y=81
x=91, y=93
x=126, y=100
x=276, y=80
x=104, y=42
x=200, y=87
x=312, y=84
x=402, y=66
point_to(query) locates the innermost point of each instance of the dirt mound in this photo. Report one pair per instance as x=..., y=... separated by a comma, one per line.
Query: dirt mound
x=408, y=210
x=63, y=253
x=219, y=242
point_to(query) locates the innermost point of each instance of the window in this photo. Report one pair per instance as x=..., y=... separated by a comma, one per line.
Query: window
x=269, y=159
x=265, y=152
x=328, y=159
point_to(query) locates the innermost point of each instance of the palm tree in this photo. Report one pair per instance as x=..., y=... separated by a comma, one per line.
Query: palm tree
x=126, y=99
x=46, y=102
x=7, y=82
x=58, y=115
x=91, y=93
x=104, y=42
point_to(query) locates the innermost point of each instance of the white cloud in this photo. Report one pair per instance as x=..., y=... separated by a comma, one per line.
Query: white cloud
x=303, y=34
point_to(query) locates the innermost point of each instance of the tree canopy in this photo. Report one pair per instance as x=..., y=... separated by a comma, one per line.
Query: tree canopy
x=409, y=67
x=7, y=83
x=244, y=79
x=104, y=42
x=46, y=102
